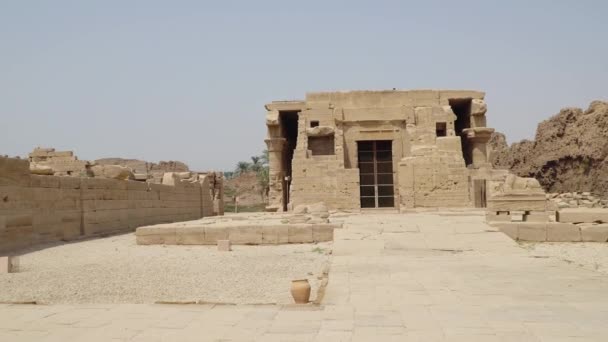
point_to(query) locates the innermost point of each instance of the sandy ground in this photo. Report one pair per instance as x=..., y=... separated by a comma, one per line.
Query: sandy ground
x=116, y=270
x=588, y=255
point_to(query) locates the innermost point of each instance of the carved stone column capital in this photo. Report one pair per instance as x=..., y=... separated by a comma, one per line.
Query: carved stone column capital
x=275, y=144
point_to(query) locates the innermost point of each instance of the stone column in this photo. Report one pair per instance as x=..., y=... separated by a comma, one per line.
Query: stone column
x=275, y=173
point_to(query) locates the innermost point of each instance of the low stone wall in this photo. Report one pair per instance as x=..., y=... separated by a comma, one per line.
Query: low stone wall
x=36, y=209
x=575, y=225
x=554, y=232
x=245, y=234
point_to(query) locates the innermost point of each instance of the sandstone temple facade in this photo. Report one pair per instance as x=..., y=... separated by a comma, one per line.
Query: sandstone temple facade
x=379, y=149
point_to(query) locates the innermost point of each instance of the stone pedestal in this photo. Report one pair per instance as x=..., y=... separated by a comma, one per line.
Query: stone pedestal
x=8, y=264
x=224, y=245
x=478, y=139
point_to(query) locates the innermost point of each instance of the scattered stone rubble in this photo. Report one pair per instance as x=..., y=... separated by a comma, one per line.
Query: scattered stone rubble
x=577, y=200
x=146, y=171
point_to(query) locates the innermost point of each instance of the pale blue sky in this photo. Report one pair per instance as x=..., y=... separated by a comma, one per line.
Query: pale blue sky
x=187, y=80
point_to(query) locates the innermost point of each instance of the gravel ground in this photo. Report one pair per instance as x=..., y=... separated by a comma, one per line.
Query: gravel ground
x=589, y=255
x=116, y=270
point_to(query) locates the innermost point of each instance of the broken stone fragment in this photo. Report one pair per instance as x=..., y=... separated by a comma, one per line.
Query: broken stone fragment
x=320, y=131
x=112, y=171
x=300, y=209
x=38, y=169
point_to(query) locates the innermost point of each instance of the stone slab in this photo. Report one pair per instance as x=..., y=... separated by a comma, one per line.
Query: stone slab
x=581, y=215
x=563, y=232
x=595, y=233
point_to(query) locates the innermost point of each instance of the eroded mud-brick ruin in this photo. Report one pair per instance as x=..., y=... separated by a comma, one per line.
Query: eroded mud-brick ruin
x=379, y=149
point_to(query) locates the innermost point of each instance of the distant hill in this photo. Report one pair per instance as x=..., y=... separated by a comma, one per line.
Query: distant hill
x=569, y=152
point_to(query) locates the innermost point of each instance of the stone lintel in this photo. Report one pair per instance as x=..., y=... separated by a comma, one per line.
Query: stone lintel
x=285, y=105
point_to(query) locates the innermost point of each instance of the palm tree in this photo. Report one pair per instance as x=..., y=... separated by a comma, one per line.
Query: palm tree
x=255, y=164
x=264, y=157
x=242, y=167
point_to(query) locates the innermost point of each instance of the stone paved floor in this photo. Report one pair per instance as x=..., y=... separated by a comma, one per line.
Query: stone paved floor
x=414, y=277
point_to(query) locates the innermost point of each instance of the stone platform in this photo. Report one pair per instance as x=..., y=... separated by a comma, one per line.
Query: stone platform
x=393, y=277
x=252, y=229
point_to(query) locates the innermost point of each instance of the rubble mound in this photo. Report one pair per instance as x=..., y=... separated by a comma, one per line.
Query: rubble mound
x=569, y=152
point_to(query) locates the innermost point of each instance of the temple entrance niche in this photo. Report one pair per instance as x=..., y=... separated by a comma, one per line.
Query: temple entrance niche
x=462, y=110
x=375, y=161
x=289, y=131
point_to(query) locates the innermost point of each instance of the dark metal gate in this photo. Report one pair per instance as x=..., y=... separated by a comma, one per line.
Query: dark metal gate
x=376, y=174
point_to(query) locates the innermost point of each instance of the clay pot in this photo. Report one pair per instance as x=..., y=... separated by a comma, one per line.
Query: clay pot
x=300, y=291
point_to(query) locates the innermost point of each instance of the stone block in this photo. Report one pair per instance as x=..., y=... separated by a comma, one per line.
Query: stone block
x=518, y=202
x=247, y=235
x=156, y=235
x=14, y=171
x=494, y=216
x=532, y=231
x=190, y=235
x=583, y=215
x=213, y=234
x=509, y=229
x=536, y=216
x=367, y=114
x=137, y=186
x=322, y=233
x=224, y=246
x=517, y=217
x=563, y=232
x=9, y=264
x=274, y=235
x=301, y=233
x=594, y=233
x=19, y=220
x=38, y=181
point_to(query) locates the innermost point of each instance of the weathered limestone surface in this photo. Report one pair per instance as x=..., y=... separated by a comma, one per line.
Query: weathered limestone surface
x=36, y=209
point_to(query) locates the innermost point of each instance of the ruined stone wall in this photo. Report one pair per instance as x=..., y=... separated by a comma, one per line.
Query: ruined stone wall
x=36, y=209
x=318, y=178
x=47, y=161
x=435, y=180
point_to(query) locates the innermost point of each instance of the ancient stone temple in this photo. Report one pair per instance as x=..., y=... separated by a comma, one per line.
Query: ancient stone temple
x=379, y=149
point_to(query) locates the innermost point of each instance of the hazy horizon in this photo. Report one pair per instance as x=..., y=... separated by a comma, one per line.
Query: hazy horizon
x=188, y=80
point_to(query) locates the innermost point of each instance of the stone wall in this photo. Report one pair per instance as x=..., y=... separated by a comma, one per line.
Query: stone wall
x=36, y=209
